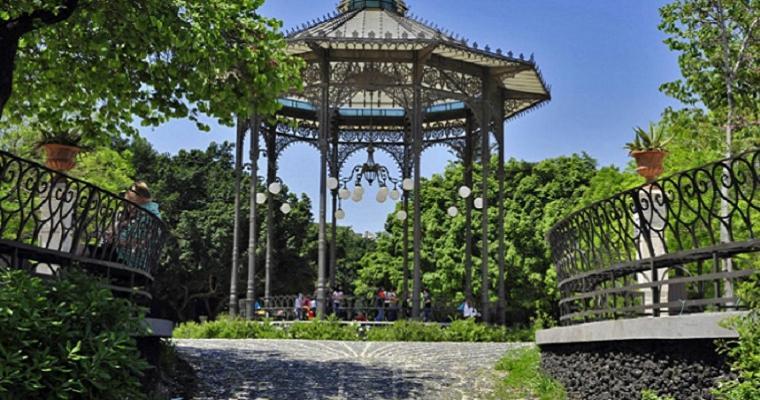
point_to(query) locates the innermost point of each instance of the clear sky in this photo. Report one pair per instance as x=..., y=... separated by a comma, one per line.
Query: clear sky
x=604, y=61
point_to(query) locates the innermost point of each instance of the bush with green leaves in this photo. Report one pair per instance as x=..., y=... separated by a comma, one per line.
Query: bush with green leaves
x=333, y=329
x=407, y=331
x=524, y=378
x=229, y=328
x=67, y=338
x=744, y=353
x=324, y=329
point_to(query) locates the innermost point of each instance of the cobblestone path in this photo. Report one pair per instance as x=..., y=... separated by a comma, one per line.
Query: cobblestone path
x=296, y=369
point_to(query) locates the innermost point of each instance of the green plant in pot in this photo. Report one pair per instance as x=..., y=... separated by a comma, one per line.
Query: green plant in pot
x=61, y=148
x=649, y=151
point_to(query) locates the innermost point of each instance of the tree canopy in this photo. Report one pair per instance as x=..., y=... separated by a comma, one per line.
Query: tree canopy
x=93, y=66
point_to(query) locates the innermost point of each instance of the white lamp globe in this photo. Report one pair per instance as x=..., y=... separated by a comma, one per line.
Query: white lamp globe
x=383, y=190
x=285, y=208
x=452, y=211
x=357, y=197
x=479, y=203
x=407, y=184
x=332, y=183
x=344, y=193
x=275, y=187
x=261, y=198
x=401, y=215
x=381, y=197
x=395, y=194
x=340, y=214
x=358, y=191
x=465, y=192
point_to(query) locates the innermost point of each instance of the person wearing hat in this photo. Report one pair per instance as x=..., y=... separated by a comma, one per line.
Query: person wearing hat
x=135, y=231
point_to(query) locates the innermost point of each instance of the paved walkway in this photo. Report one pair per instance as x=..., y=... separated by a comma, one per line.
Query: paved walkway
x=296, y=369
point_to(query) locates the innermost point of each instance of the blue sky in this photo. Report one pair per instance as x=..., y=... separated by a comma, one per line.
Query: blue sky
x=603, y=59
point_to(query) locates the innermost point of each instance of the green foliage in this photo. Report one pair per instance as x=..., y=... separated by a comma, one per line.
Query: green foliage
x=744, y=353
x=524, y=377
x=653, y=140
x=539, y=195
x=332, y=329
x=67, y=339
x=323, y=329
x=106, y=63
x=407, y=331
x=708, y=58
x=229, y=328
x=652, y=395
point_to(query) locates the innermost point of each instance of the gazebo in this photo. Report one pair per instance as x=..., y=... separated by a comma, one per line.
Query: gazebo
x=378, y=78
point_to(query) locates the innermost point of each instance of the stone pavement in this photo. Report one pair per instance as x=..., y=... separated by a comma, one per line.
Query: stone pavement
x=300, y=369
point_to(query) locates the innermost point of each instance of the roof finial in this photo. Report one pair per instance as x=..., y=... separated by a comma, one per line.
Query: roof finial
x=397, y=6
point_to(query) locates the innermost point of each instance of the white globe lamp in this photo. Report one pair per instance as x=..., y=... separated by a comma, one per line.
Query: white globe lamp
x=275, y=187
x=452, y=211
x=332, y=183
x=479, y=203
x=261, y=198
x=465, y=192
x=285, y=208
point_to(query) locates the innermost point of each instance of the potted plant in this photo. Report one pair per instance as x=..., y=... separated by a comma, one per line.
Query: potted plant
x=61, y=148
x=649, y=150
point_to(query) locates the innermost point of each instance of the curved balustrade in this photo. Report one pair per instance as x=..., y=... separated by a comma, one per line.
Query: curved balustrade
x=49, y=220
x=677, y=245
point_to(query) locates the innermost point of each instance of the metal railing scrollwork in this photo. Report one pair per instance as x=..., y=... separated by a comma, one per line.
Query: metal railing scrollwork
x=677, y=245
x=49, y=220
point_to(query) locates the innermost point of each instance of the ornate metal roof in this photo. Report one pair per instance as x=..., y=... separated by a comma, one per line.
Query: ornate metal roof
x=372, y=46
x=398, y=6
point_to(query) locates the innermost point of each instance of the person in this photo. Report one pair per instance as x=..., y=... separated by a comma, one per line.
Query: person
x=360, y=317
x=298, y=306
x=380, y=304
x=337, y=299
x=427, y=305
x=391, y=302
x=469, y=310
x=134, y=230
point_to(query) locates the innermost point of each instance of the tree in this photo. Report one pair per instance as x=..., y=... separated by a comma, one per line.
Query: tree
x=719, y=46
x=541, y=193
x=102, y=63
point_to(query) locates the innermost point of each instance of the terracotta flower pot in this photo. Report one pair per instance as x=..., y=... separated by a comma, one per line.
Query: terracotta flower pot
x=649, y=163
x=60, y=157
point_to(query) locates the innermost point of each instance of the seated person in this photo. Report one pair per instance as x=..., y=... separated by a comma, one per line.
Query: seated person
x=134, y=229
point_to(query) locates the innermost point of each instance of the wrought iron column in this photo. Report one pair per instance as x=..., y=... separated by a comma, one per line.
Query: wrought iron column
x=468, y=156
x=499, y=121
x=324, y=133
x=485, y=151
x=334, y=226
x=405, y=264
x=239, y=138
x=250, y=293
x=271, y=177
x=416, y=152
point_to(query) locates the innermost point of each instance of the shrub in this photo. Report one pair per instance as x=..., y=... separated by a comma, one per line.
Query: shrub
x=67, y=338
x=326, y=329
x=406, y=331
x=229, y=328
x=524, y=377
x=744, y=353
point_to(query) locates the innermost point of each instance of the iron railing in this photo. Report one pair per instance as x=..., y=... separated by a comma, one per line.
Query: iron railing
x=49, y=220
x=283, y=307
x=677, y=245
